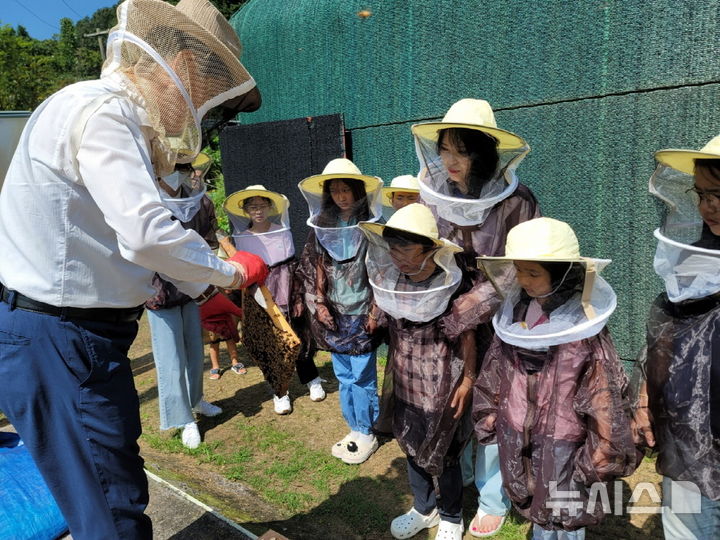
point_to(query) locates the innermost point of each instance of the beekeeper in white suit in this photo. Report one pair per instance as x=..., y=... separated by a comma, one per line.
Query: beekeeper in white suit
x=82, y=231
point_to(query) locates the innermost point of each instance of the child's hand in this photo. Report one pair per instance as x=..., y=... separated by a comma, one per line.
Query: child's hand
x=488, y=424
x=642, y=428
x=461, y=397
x=324, y=316
x=371, y=324
x=297, y=310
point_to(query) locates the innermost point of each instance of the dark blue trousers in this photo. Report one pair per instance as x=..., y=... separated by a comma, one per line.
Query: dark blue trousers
x=449, y=504
x=67, y=388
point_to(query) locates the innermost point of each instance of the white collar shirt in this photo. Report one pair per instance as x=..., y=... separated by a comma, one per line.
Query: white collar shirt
x=86, y=227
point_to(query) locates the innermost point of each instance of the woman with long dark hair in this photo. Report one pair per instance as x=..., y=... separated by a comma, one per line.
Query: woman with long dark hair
x=468, y=180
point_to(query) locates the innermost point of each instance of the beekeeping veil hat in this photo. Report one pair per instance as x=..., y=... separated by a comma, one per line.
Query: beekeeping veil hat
x=342, y=241
x=405, y=183
x=178, y=62
x=391, y=269
x=475, y=115
x=547, y=240
x=274, y=245
x=687, y=257
x=202, y=163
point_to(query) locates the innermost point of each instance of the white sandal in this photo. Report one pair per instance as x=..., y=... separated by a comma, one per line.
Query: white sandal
x=412, y=523
x=476, y=523
x=449, y=531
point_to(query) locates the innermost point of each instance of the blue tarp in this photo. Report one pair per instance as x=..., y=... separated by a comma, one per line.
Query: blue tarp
x=27, y=508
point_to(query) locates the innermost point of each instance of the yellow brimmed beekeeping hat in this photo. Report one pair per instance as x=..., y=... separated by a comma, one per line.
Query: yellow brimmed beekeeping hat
x=684, y=160
x=416, y=219
x=406, y=183
x=470, y=114
x=339, y=168
x=234, y=203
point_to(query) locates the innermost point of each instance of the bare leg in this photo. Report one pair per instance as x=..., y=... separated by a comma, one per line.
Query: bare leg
x=215, y=361
x=237, y=367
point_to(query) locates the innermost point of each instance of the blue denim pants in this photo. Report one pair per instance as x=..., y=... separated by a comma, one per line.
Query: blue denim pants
x=538, y=533
x=357, y=375
x=178, y=351
x=680, y=517
x=488, y=480
x=68, y=390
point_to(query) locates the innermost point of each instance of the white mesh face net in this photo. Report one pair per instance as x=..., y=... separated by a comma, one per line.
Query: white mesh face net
x=688, y=271
x=566, y=323
x=336, y=228
x=489, y=175
x=396, y=271
x=687, y=257
x=260, y=227
x=682, y=221
x=182, y=193
x=179, y=71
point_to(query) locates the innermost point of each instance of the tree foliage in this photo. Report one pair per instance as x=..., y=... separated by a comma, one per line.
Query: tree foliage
x=28, y=70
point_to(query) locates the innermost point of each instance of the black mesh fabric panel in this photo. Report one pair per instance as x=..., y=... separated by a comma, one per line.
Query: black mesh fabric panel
x=280, y=154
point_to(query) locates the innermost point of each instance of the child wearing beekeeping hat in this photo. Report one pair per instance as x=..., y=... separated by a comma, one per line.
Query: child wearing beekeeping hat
x=550, y=388
x=428, y=378
x=403, y=190
x=336, y=296
x=261, y=225
x=680, y=384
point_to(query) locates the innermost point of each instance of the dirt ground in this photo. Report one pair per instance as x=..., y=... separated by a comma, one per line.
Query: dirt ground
x=360, y=507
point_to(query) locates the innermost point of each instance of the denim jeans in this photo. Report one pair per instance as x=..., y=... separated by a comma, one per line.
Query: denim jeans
x=178, y=351
x=357, y=375
x=488, y=480
x=68, y=390
x=542, y=534
x=679, y=519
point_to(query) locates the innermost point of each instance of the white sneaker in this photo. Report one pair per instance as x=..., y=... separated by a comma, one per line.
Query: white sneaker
x=449, y=531
x=282, y=404
x=411, y=523
x=359, y=449
x=191, y=435
x=339, y=448
x=206, y=409
x=317, y=393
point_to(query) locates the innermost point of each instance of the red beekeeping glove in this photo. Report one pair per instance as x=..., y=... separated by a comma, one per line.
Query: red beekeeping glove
x=255, y=268
x=218, y=305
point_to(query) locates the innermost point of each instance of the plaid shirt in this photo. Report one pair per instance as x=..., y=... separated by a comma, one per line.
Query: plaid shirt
x=425, y=367
x=421, y=357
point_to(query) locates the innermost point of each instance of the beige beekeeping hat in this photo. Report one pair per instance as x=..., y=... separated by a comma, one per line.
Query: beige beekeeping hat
x=416, y=219
x=202, y=20
x=234, y=203
x=406, y=183
x=549, y=240
x=684, y=160
x=470, y=113
x=183, y=61
x=542, y=239
x=339, y=168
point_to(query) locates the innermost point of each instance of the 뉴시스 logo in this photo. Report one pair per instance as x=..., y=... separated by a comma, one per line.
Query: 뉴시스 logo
x=684, y=498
